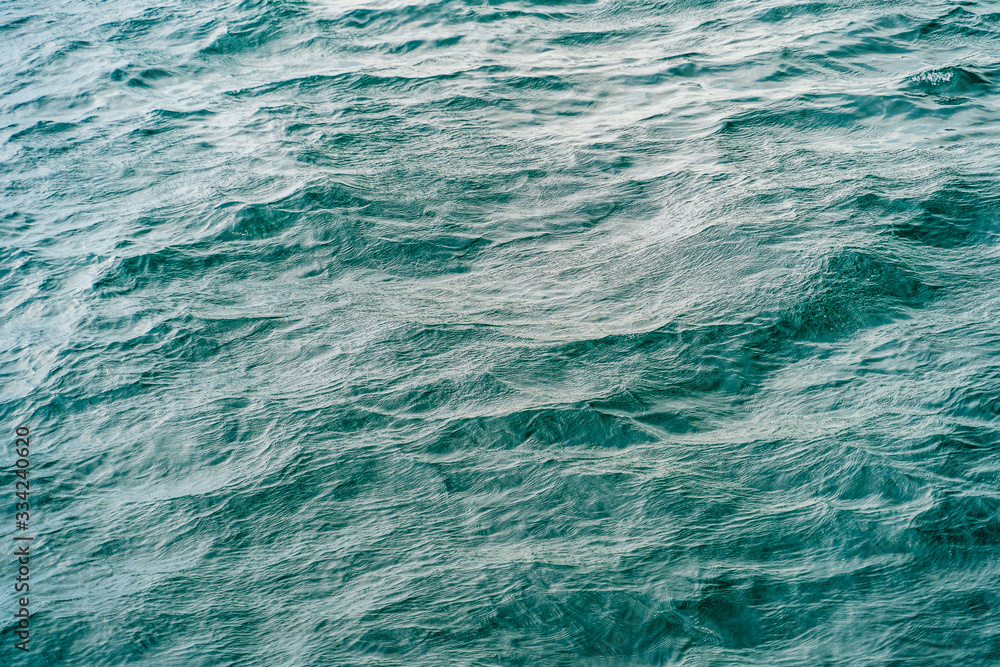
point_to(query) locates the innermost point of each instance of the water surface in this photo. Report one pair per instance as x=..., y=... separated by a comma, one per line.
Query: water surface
x=504, y=332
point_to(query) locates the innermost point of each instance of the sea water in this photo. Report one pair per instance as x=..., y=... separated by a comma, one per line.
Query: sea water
x=492, y=332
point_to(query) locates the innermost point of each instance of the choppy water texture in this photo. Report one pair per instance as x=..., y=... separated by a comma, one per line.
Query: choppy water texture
x=504, y=332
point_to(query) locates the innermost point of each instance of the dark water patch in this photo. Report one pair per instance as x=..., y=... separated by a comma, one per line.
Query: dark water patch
x=570, y=426
x=979, y=398
x=18, y=222
x=147, y=78
x=137, y=272
x=888, y=22
x=683, y=70
x=303, y=480
x=154, y=73
x=807, y=115
x=538, y=83
x=881, y=203
x=172, y=115
x=923, y=632
x=865, y=45
x=14, y=262
x=968, y=439
x=427, y=399
x=142, y=26
x=17, y=23
x=405, y=47
x=730, y=360
x=785, y=12
x=377, y=21
x=589, y=38
x=81, y=395
x=254, y=33
x=949, y=85
x=961, y=520
x=961, y=214
x=544, y=3
x=69, y=48
x=340, y=82
x=256, y=222
x=670, y=421
x=889, y=106
x=958, y=22
x=963, y=450
x=722, y=606
x=448, y=41
x=783, y=72
x=496, y=17
x=854, y=289
x=851, y=290
x=440, y=254
x=42, y=128
x=152, y=130
x=278, y=9
x=193, y=339
x=596, y=623
x=428, y=341
x=339, y=242
x=468, y=103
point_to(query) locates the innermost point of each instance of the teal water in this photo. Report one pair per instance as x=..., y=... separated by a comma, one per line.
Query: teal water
x=503, y=333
